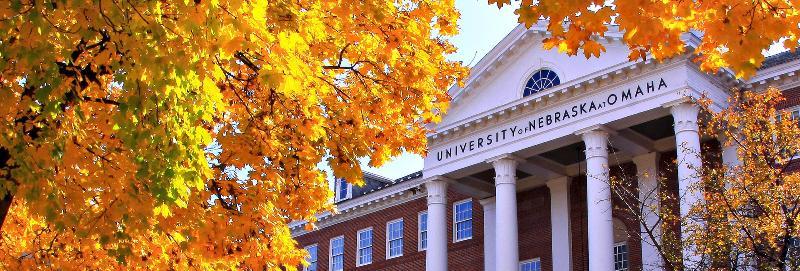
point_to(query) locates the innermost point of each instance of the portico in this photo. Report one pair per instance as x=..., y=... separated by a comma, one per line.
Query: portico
x=507, y=133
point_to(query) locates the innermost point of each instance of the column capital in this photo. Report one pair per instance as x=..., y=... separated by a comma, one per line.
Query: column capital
x=596, y=141
x=594, y=129
x=558, y=183
x=685, y=115
x=644, y=160
x=436, y=188
x=505, y=168
x=488, y=202
x=504, y=158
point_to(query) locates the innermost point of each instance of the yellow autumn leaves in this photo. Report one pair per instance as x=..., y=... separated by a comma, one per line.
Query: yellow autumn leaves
x=734, y=32
x=160, y=134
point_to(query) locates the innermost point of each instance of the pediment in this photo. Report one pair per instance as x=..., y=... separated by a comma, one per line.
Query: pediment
x=500, y=77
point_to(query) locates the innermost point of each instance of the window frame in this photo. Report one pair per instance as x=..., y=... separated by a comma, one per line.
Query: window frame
x=330, y=253
x=348, y=191
x=419, y=231
x=316, y=259
x=534, y=260
x=455, y=222
x=388, y=240
x=626, y=261
x=530, y=76
x=359, y=248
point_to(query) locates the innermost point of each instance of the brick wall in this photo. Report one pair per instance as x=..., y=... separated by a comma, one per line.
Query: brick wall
x=464, y=255
x=534, y=226
x=535, y=237
x=792, y=96
x=579, y=224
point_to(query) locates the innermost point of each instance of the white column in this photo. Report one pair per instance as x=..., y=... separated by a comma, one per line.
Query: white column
x=559, y=223
x=687, y=141
x=489, y=216
x=598, y=201
x=436, y=253
x=730, y=160
x=647, y=174
x=506, y=228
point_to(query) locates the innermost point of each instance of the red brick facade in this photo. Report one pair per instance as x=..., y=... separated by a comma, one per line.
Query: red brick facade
x=534, y=227
x=792, y=96
x=463, y=255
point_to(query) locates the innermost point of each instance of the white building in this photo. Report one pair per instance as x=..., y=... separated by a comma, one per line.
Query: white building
x=505, y=185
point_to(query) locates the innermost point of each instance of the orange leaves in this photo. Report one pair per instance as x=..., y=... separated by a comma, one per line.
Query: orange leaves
x=592, y=48
x=150, y=126
x=753, y=198
x=500, y=3
x=734, y=33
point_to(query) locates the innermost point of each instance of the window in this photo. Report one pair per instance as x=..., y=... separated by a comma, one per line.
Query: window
x=621, y=256
x=394, y=238
x=337, y=254
x=423, y=231
x=531, y=265
x=462, y=220
x=364, y=252
x=540, y=80
x=312, y=258
x=344, y=190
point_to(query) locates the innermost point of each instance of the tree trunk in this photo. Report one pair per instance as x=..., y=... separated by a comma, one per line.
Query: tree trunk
x=5, y=205
x=5, y=202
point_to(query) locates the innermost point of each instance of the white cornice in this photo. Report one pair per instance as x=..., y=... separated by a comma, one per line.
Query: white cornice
x=378, y=200
x=581, y=85
x=782, y=76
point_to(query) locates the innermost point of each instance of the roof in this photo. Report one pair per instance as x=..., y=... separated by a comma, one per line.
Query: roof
x=374, y=182
x=780, y=58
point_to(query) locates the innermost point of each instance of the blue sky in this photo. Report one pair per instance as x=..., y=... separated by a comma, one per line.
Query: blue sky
x=482, y=26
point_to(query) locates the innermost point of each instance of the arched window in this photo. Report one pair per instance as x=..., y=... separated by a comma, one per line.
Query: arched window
x=540, y=80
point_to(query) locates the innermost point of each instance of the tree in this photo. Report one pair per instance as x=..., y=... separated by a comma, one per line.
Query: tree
x=176, y=135
x=752, y=206
x=734, y=31
x=749, y=215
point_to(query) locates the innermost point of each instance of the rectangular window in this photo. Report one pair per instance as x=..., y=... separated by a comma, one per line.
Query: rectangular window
x=423, y=231
x=530, y=265
x=394, y=238
x=462, y=220
x=312, y=258
x=344, y=190
x=337, y=254
x=621, y=256
x=364, y=251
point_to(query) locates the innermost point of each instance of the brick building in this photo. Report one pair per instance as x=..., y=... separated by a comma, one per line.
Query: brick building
x=517, y=174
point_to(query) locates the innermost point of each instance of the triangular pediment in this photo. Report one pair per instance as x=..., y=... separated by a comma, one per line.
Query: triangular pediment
x=501, y=76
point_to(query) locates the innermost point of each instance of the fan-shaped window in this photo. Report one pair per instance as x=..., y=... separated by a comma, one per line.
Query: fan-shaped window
x=540, y=80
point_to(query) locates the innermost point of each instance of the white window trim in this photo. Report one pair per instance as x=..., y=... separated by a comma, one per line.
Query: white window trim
x=419, y=230
x=330, y=251
x=358, y=246
x=530, y=261
x=388, y=253
x=455, y=223
x=338, y=191
x=305, y=268
x=627, y=251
